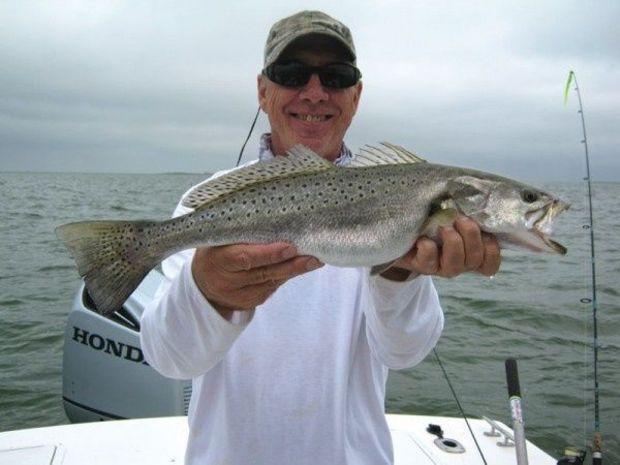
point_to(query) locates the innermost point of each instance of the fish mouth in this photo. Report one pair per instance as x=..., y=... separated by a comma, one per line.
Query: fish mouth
x=540, y=223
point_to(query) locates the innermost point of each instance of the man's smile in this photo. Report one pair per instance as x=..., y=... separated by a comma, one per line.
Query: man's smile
x=307, y=117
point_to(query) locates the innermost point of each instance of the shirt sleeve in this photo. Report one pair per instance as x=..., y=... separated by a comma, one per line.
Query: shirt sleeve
x=404, y=320
x=182, y=335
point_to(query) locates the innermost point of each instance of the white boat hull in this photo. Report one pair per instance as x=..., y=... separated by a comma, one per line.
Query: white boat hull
x=162, y=441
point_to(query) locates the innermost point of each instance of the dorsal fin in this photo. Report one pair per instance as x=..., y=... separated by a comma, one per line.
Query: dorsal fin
x=389, y=154
x=299, y=160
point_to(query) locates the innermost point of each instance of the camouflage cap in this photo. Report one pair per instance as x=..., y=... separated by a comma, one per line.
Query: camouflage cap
x=289, y=29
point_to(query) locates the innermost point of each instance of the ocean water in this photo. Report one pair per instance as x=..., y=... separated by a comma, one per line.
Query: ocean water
x=530, y=310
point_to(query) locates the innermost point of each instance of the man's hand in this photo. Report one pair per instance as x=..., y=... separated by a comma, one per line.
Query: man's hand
x=242, y=276
x=465, y=248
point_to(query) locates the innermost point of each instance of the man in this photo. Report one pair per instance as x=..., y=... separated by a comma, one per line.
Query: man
x=289, y=358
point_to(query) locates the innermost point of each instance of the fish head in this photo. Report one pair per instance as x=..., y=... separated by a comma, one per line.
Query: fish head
x=520, y=216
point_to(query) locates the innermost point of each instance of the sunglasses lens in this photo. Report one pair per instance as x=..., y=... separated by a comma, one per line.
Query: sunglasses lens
x=289, y=74
x=339, y=76
x=294, y=74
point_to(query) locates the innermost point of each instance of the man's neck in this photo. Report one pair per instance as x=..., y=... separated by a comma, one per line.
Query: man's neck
x=266, y=151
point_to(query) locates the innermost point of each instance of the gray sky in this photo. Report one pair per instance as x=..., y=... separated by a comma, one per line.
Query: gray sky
x=136, y=86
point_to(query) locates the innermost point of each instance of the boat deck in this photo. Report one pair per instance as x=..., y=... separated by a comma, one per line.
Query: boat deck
x=162, y=441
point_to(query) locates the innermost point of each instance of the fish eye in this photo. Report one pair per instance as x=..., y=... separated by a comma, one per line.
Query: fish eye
x=529, y=196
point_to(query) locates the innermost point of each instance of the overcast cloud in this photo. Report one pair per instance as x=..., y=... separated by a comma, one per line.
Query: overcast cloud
x=111, y=86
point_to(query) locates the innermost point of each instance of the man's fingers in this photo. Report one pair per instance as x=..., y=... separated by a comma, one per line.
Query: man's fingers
x=472, y=242
x=492, y=256
x=242, y=276
x=452, y=260
x=426, y=258
x=243, y=257
x=278, y=272
x=464, y=248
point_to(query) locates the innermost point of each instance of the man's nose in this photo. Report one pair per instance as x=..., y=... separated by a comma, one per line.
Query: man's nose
x=314, y=90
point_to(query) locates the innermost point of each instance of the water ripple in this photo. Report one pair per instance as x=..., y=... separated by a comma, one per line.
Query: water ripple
x=56, y=267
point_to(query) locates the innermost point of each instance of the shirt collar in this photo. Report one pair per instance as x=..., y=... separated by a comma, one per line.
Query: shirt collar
x=265, y=153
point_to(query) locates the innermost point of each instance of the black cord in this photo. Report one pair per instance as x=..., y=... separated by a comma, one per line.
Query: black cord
x=445, y=374
x=248, y=138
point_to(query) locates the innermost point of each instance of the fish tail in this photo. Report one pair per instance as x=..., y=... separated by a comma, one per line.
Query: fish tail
x=113, y=257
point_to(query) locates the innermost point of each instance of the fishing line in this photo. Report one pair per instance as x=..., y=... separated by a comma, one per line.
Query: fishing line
x=249, y=134
x=445, y=374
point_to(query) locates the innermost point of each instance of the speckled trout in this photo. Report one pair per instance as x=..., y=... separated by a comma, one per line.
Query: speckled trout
x=368, y=213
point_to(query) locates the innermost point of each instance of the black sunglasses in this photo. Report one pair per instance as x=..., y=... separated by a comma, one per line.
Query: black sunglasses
x=295, y=74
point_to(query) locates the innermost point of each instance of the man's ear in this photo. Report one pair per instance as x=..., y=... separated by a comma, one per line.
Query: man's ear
x=358, y=94
x=262, y=91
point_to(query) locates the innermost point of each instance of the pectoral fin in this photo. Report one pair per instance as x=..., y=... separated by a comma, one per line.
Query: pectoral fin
x=440, y=219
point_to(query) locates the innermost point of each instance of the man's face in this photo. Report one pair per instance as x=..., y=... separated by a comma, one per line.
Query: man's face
x=331, y=110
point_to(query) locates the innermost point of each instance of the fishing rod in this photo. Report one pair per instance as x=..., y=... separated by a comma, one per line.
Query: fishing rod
x=597, y=455
x=248, y=137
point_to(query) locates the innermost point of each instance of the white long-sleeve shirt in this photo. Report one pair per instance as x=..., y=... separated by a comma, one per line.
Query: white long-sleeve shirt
x=299, y=380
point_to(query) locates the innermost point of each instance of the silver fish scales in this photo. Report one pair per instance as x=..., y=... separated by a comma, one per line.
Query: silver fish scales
x=366, y=214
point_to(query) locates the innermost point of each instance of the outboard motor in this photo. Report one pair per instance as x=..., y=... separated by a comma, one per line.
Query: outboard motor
x=105, y=375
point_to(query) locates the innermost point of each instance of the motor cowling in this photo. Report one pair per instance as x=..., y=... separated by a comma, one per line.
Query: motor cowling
x=105, y=375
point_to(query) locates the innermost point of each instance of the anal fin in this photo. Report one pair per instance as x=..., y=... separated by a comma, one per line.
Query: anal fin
x=378, y=269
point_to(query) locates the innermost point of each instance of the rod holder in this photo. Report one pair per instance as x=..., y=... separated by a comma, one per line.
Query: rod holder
x=514, y=394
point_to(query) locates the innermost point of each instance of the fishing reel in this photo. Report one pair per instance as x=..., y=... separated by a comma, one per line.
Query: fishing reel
x=572, y=456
